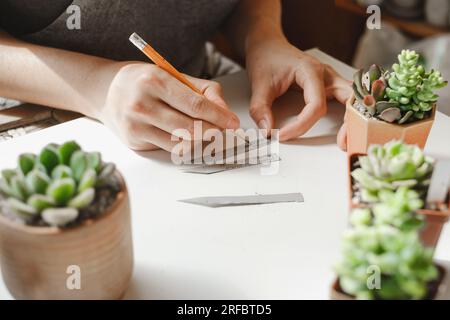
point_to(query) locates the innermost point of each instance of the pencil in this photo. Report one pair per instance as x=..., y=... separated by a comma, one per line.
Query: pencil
x=154, y=56
x=160, y=61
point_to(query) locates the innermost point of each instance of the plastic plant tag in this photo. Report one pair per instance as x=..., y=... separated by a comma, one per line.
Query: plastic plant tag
x=440, y=183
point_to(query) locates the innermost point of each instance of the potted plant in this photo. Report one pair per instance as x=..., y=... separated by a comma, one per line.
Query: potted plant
x=396, y=208
x=384, y=263
x=394, y=104
x=387, y=168
x=65, y=229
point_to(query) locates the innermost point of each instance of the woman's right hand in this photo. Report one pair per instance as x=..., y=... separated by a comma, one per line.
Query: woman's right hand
x=145, y=105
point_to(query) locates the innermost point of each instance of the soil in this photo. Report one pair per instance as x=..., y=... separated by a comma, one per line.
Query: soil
x=361, y=109
x=104, y=198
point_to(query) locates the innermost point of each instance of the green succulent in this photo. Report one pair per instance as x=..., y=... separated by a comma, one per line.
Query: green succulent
x=55, y=184
x=397, y=209
x=403, y=94
x=370, y=91
x=412, y=87
x=391, y=166
x=404, y=265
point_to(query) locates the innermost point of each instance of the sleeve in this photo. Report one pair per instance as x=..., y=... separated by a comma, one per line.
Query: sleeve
x=20, y=17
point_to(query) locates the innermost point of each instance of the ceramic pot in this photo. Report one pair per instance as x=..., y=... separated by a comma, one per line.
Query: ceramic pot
x=434, y=219
x=362, y=131
x=41, y=262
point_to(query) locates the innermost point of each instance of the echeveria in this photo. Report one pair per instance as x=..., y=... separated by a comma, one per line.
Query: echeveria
x=55, y=184
x=391, y=166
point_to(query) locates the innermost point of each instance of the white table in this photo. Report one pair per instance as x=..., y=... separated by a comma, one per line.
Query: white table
x=278, y=251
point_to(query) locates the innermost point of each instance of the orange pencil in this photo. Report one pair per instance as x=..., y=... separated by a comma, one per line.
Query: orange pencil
x=163, y=64
x=160, y=61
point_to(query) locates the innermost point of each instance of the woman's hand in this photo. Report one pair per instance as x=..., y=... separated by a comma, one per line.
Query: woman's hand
x=274, y=66
x=145, y=104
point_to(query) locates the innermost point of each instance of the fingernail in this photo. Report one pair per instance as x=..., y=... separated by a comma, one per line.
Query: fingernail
x=234, y=123
x=263, y=124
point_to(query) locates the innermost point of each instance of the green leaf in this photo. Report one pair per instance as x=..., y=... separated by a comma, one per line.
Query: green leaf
x=40, y=202
x=62, y=190
x=400, y=169
x=26, y=163
x=66, y=151
x=39, y=166
x=37, y=181
x=49, y=158
x=4, y=187
x=53, y=146
x=59, y=217
x=84, y=199
x=367, y=181
x=7, y=174
x=18, y=188
x=22, y=209
x=369, y=196
x=61, y=171
x=350, y=285
x=365, y=164
x=107, y=170
x=78, y=164
x=94, y=160
x=360, y=217
x=88, y=180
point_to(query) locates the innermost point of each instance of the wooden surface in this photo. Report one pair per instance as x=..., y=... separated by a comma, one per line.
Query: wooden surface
x=415, y=28
x=23, y=115
x=34, y=260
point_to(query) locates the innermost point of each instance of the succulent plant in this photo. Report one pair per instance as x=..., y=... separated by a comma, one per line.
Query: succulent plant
x=390, y=166
x=412, y=87
x=405, y=266
x=370, y=91
x=403, y=94
x=397, y=209
x=55, y=184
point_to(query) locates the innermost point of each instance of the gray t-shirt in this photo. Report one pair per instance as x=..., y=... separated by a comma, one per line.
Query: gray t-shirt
x=178, y=29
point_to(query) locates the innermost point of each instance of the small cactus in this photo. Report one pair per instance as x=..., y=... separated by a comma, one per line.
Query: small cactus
x=55, y=184
x=412, y=87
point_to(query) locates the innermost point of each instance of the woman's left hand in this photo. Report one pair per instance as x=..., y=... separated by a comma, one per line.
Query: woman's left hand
x=273, y=67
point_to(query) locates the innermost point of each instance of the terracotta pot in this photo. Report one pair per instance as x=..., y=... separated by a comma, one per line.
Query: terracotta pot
x=362, y=132
x=37, y=262
x=436, y=288
x=434, y=219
